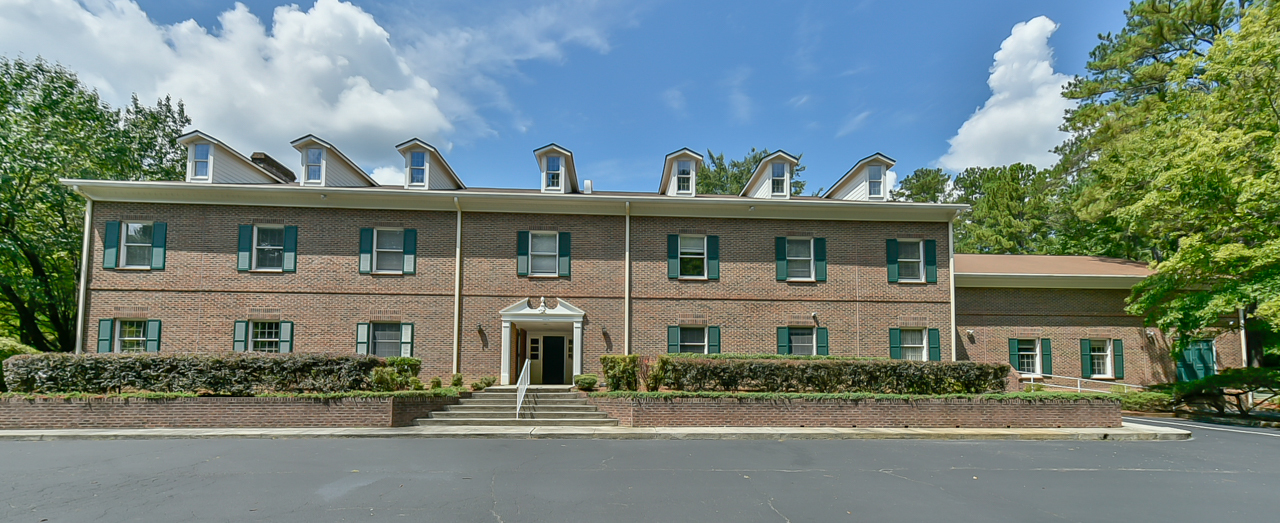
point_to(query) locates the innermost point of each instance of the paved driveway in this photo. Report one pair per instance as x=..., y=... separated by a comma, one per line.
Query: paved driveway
x=1220, y=475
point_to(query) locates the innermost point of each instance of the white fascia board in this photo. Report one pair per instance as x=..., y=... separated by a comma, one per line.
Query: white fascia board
x=848, y=176
x=671, y=158
x=1047, y=281
x=188, y=139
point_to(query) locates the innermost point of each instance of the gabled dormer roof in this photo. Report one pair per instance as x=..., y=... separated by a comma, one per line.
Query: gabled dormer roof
x=347, y=172
x=761, y=173
x=841, y=186
x=436, y=159
x=570, y=182
x=233, y=155
x=667, y=169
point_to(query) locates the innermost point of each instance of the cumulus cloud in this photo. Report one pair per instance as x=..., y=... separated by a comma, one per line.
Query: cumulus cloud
x=1019, y=123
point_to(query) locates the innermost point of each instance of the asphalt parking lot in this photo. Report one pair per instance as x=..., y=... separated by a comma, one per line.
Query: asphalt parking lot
x=1223, y=473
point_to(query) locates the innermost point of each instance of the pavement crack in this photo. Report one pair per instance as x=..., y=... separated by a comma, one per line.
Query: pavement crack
x=604, y=464
x=775, y=511
x=494, y=494
x=890, y=472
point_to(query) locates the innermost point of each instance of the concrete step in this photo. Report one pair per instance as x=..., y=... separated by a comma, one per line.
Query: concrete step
x=512, y=395
x=525, y=408
x=527, y=401
x=449, y=414
x=532, y=388
x=511, y=422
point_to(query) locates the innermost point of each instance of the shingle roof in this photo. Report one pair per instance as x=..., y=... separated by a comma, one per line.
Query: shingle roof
x=1036, y=264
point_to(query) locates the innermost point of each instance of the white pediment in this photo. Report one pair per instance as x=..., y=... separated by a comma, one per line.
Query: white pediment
x=525, y=310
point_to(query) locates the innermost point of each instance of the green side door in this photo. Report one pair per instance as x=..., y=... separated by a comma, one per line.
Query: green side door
x=1197, y=361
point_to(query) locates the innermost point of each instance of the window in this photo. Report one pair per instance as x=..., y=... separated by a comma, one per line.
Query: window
x=693, y=339
x=779, y=178
x=801, y=341
x=534, y=346
x=268, y=248
x=1100, y=358
x=693, y=256
x=315, y=158
x=131, y=336
x=913, y=347
x=1028, y=357
x=265, y=336
x=386, y=340
x=200, y=164
x=417, y=168
x=388, y=250
x=875, y=181
x=544, y=254
x=910, y=261
x=553, y=172
x=799, y=258
x=684, y=176
x=135, y=252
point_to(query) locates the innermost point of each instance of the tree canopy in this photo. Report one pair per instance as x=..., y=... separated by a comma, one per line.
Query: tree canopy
x=718, y=176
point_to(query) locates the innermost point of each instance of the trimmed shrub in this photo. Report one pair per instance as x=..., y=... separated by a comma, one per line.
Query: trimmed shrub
x=586, y=382
x=620, y=372
x=386, y=379
x=11, y=347
x=436, y=383
x=1145, y=401
x=488, y=381
x=830, y=375
x=456, y=381
x=407, y=367
x=228, y=374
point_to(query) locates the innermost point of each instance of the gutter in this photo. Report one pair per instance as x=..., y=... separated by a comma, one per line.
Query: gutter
x=84, y=273
x=626, y=299
x=457, y=292
x=1244, y=341
x=951, y=276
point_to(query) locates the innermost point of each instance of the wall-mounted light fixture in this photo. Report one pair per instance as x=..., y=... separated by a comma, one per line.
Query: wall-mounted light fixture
x=480, y=328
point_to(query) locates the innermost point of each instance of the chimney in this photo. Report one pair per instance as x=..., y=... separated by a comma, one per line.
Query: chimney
x=272, y=166
x=586, y=187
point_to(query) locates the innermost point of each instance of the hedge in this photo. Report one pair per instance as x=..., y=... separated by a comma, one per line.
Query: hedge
x=447, y=392
x=855, y=396
x=830, y=375
x=10, y=347
x=227, y=374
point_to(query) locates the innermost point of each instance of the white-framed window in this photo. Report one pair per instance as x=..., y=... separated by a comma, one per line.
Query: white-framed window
x=131, y=336
x=388, y=250
x=875, y=181
x=135, y=245
x=268, y=247
x=315, y=164
x=554, y=170
x=417, y=168
x=693, y=256
x=386, y=340
x=779, y=179
x=264, y=336
x=693, y=340
x=801, y=341
x=1029, y=356
x=910, y=260
x=544, y=254
x=684, y=176
x=913, y=347
x=200, y=161
x=800, y=259
x=1100, y=359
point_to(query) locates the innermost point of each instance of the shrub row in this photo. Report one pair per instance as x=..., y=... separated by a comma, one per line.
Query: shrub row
x=856, y=396
x=446, y=392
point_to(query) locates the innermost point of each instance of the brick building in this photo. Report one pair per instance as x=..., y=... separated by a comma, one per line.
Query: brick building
x=245, y=256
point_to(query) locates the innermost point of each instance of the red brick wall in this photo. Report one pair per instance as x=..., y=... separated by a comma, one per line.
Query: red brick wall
x=933, y=413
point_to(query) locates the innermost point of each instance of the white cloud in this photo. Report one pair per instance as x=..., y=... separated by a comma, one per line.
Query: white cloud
x=798, y=100
x=740, y=104
x=853, y=123
x=388, y=175
x=674, y=99
x=1019, y=123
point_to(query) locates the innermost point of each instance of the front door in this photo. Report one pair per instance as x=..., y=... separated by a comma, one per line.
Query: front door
x=1197, y=361
x=553, y=360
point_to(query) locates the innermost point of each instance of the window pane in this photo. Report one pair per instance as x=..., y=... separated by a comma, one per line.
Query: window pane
x=779, y=170
x=801, y=341
x=314, y=156
x=202, y=170
x=875, y=173
x=553, y=163
x=692, y=244
x=138, y=233
x=798, y=269
x=913, y=338
x=1027, y=356
x=913, y=353
x=693, y=335
x=779, y=186
x=543, y=264
x=417, y=175
x=798, y=248
x=873, y=188
x=266, y=336
x=313, y=172
x=270, y=237
x=909, y=270
x=417, y=159
x=390, y=240
x=133, y=345
x=137, y=256
x=1027, y=346
x=553, y=179
x=132, y=329
x=270, y=258
x=682, y=183
x=684, y=167
x=543, y=243
x=202, y=151
x=390, y=261
x=692, y=266
x=908, y=251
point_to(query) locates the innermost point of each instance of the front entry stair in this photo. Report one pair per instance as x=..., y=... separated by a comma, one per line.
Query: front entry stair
x=544, y=406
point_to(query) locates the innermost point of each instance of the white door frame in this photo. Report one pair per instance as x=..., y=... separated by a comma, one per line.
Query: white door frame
x=528, y=316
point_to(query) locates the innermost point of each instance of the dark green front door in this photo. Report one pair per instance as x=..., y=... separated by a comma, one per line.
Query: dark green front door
x=1196, y=361
x=553, y=360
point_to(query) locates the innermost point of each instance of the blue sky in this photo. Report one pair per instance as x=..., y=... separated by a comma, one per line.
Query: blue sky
x=620, y=84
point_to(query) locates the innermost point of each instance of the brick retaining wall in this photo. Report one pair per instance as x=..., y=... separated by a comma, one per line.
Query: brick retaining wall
x=214, y=412
x=927, y=413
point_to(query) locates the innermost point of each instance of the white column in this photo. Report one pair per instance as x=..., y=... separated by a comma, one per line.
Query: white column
x=506, y=352
x=577, y=348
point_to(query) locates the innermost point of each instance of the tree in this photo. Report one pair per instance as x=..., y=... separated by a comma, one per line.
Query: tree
x=720, y=177
x=924, y=185
x=1009, y=207
x=52, y=126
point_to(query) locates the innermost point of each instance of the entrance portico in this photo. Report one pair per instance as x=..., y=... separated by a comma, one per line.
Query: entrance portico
x=528, y=317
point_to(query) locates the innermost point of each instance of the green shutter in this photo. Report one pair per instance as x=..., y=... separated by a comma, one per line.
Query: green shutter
x=713, y=257
x=1117, y=348
x=784, y=337
x=1013, y=353
x=410, y=251
x=1046, y=356
x=286, y=337
x=362, y=338
x=673, y=339
x=895, y=344
x=158, y=232
x=935, y=345
x=106, y=329
x=713, y=340
x=522, y=253
x=820, y=259
x=931, y=261
x=244, y=246
x=240, y=336
x=673, y=255
x=290, y=248
x=820, y=334
x=111, y=245
x=780, y=256
x=406, y=340
x=366, y=250
x=891, y=259
x=153, y=335
x=566, y=262
x=1086, y=368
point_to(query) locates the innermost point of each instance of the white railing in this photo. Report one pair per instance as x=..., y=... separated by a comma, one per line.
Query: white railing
x=1079, y=383
x=522, y=385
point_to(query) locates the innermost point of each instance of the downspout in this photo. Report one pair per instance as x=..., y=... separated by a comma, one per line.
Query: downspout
x=84, y=273
x=1244, y=341
x=626, y=299
x=951, y=277
x=457, y=292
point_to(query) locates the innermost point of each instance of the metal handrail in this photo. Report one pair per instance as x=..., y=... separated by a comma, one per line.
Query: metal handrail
x=1079, y=383
x=522, y=386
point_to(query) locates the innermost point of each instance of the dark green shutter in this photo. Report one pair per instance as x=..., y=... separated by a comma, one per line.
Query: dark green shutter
x=240, y=336
x=286, y=337
x=931, y=261
x=784, y=338
x=362, y=338
x=522, y=253
x=1086, y=367
x=1046, y=356
x=290, y=248
x=935, y=345
x=713, y=257
x=1117, y=348
x=106, y=330
x=780, y=256
x=406, y=340
x=566, y=262
x=821, y=338
x=244, y=248
x=366, y=250
x=895, y=344
x=1013, y=353
x=158, y=232
x=673, y=339
x=111, y=245
x=410, y=251
x=673, y=255
x=820, y=259
x=713, y=340
x=153, y=335
x=891, y=259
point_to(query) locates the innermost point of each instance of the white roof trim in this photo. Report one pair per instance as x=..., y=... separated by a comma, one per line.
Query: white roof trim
x=755, y=176
x=189, y=137
x=570, y=169
x=524, y=311
x=848, y=176
x=436, y=152
x=666, y=173
x=342, y=157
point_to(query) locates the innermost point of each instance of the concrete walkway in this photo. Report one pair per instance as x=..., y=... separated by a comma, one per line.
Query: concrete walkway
x=1129, y=432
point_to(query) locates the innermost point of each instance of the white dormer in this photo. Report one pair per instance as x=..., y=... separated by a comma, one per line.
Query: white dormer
x=680, y=173
x=772, y=178
x=558, y=173
x=869, y=180
x=211, y=161
x=323, y=165
x=425, y=168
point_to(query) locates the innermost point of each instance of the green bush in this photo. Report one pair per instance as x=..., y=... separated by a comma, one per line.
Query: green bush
x=488, y=381
x=1142, y=401
x=387, y=379
x=828, y=375
x=436, y=383
x=586, y=382
x=416, y=384
x=11, y=347
x=225, y=374
x=854, y=396
x=1241, y=389
x=407, y=367
x=457, y=381
x=620, y=372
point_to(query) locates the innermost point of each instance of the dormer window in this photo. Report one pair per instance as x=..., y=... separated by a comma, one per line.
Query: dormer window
x=684, y=176
x=875, y=181
x=779, y=179
x=200, y=162
x=553, y=172
x=417, y=168
x=315, y=158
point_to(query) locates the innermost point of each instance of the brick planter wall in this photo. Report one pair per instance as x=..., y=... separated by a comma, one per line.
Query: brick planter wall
x=927, y=413
x=214, y=412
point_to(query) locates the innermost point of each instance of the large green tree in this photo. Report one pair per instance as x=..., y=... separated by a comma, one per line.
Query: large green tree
x=718, y=176
x=924, y=185
x=1009, y=210
x=52, y=126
